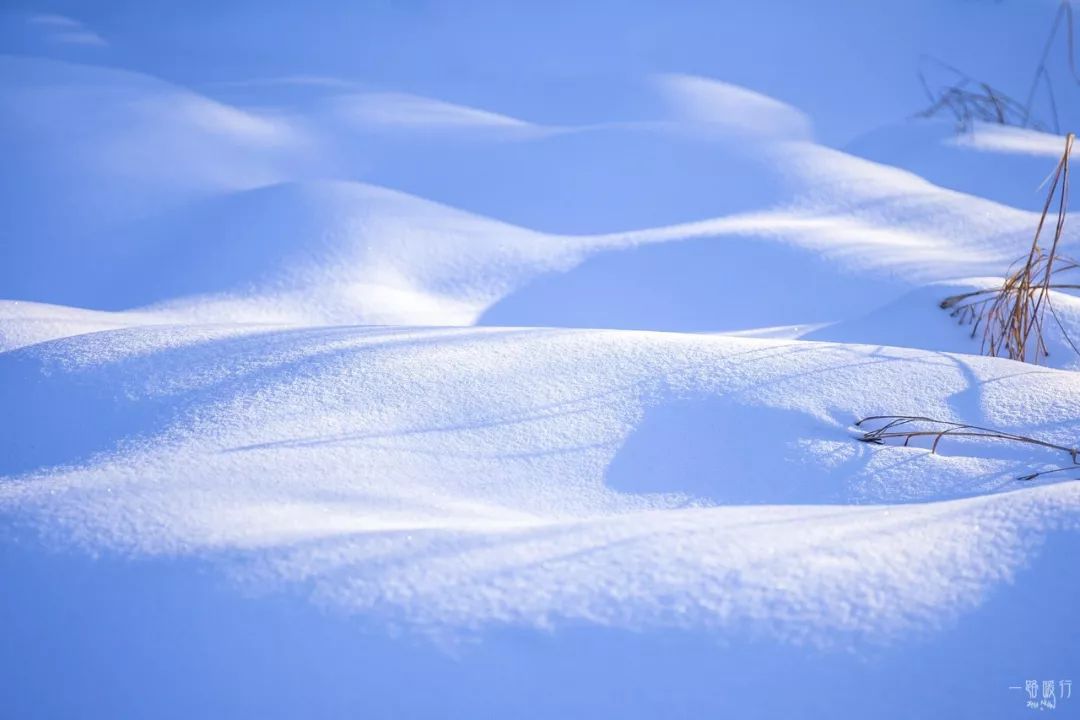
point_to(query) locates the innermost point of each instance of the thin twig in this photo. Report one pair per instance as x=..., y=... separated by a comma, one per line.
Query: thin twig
x=910, y=427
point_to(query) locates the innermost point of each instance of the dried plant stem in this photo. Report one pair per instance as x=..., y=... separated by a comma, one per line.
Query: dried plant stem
x=1012, y=316
x=968, y=99
x=1064, y=17
x=910, y=427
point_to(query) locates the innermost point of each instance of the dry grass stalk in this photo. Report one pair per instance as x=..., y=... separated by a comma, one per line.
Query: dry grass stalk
x=910, y=427
x=1012, y=316
x=1064, y=18
x=968, y=99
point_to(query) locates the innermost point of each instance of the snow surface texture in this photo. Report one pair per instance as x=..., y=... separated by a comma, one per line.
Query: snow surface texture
x=636, y=414
x=461, y=476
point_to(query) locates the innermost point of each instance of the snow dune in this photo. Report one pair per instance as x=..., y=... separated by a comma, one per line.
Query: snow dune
x=569, y=462
x=453, y=421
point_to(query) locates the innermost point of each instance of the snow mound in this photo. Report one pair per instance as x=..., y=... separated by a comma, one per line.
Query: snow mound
x=1001, y=163
x=352, y=252
x=140, y=140
x=857, y=234
x=359, y=461
x=798, y=233
x=402, y=112
x=87, y=150
x=446, y=368
x=333, y=251
x=732, y=110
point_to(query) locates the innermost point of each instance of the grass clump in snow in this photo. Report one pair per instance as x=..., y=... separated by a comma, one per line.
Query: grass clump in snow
x=969, y=100
x=1012, y=317
x=910, y=427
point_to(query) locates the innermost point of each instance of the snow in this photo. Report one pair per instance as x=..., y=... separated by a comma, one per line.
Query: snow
x=526, y=455
x=383, y=402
